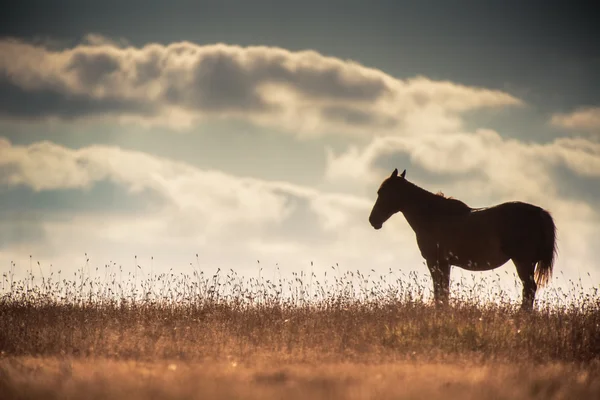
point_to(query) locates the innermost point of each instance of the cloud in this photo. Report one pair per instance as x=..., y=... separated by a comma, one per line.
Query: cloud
x=579, y=155
x=176, y=210
x=95, y=39
x=215, y=196
x=449, y=154
x=194, y=199
x=17, y=103
x=506, y=166
x=232, y=221
x=583, y=119
x=182, y=83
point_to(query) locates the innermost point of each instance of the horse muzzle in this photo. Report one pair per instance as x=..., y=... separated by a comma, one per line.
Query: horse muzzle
x=376, y=225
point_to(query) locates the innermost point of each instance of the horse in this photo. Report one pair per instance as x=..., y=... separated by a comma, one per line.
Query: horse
x=450, y=233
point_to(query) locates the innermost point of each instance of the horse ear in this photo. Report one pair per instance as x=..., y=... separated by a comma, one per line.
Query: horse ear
x=395, y=173
x=403, y=175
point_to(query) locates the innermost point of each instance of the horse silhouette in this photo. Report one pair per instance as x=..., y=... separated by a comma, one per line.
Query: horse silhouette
x=449, y=232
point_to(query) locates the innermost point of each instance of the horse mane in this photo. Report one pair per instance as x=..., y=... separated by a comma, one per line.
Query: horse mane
x=439, y=202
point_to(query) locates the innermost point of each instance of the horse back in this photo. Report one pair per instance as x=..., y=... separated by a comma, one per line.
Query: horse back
x=497, y=233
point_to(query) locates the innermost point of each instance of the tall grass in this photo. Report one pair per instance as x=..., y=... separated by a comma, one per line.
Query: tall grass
x=343, y=316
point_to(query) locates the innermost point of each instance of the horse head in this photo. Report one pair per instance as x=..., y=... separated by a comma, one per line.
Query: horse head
x=389, y=200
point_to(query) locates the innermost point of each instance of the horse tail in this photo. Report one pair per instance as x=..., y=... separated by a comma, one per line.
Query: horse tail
x=548, y=250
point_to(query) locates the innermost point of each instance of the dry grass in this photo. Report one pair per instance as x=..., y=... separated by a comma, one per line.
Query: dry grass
x=221, y=336
x=52, y=378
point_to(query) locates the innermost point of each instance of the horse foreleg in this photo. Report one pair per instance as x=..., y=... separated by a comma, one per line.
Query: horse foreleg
x=440, y=274
x=526, y=273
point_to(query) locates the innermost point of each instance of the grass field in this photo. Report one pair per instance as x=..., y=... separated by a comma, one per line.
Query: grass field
x=183, y=337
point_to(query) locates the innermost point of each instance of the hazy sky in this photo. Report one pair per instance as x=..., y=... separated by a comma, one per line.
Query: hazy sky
x=256, y=130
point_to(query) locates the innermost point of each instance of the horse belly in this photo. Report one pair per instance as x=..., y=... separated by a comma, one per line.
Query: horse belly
x=477, y=255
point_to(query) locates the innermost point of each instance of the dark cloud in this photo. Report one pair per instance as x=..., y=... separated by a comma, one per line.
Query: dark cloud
x=221, y=83
x=353, y=116
x=215, y=80
x=332, y=83
x=102, y=197
x=92, y=67
x=148, y=67
x=17, y=102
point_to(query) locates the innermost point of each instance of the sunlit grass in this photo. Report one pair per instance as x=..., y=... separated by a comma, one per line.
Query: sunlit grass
x=107, y=333
x=340, y=316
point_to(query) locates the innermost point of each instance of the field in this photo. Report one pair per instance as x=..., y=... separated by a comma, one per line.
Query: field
x=178, y=337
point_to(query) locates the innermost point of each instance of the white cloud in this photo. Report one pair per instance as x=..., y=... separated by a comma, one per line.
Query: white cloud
x=580, y=155
x=195, y=200
x=457, y=153
x=230, y=221
x=507, y=166
x=181, y=83
x=210, y=195
x=583, y=119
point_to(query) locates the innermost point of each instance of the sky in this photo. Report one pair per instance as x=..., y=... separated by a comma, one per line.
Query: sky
x=255, y=134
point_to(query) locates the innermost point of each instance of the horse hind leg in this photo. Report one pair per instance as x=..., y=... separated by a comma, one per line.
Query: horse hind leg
x=526, y=273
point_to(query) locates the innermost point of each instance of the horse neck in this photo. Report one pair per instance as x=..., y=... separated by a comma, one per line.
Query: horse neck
x=422, y=205
x=419, y=198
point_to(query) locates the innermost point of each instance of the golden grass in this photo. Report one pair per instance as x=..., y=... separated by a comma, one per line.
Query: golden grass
x=52, y=378
x=223, y=337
